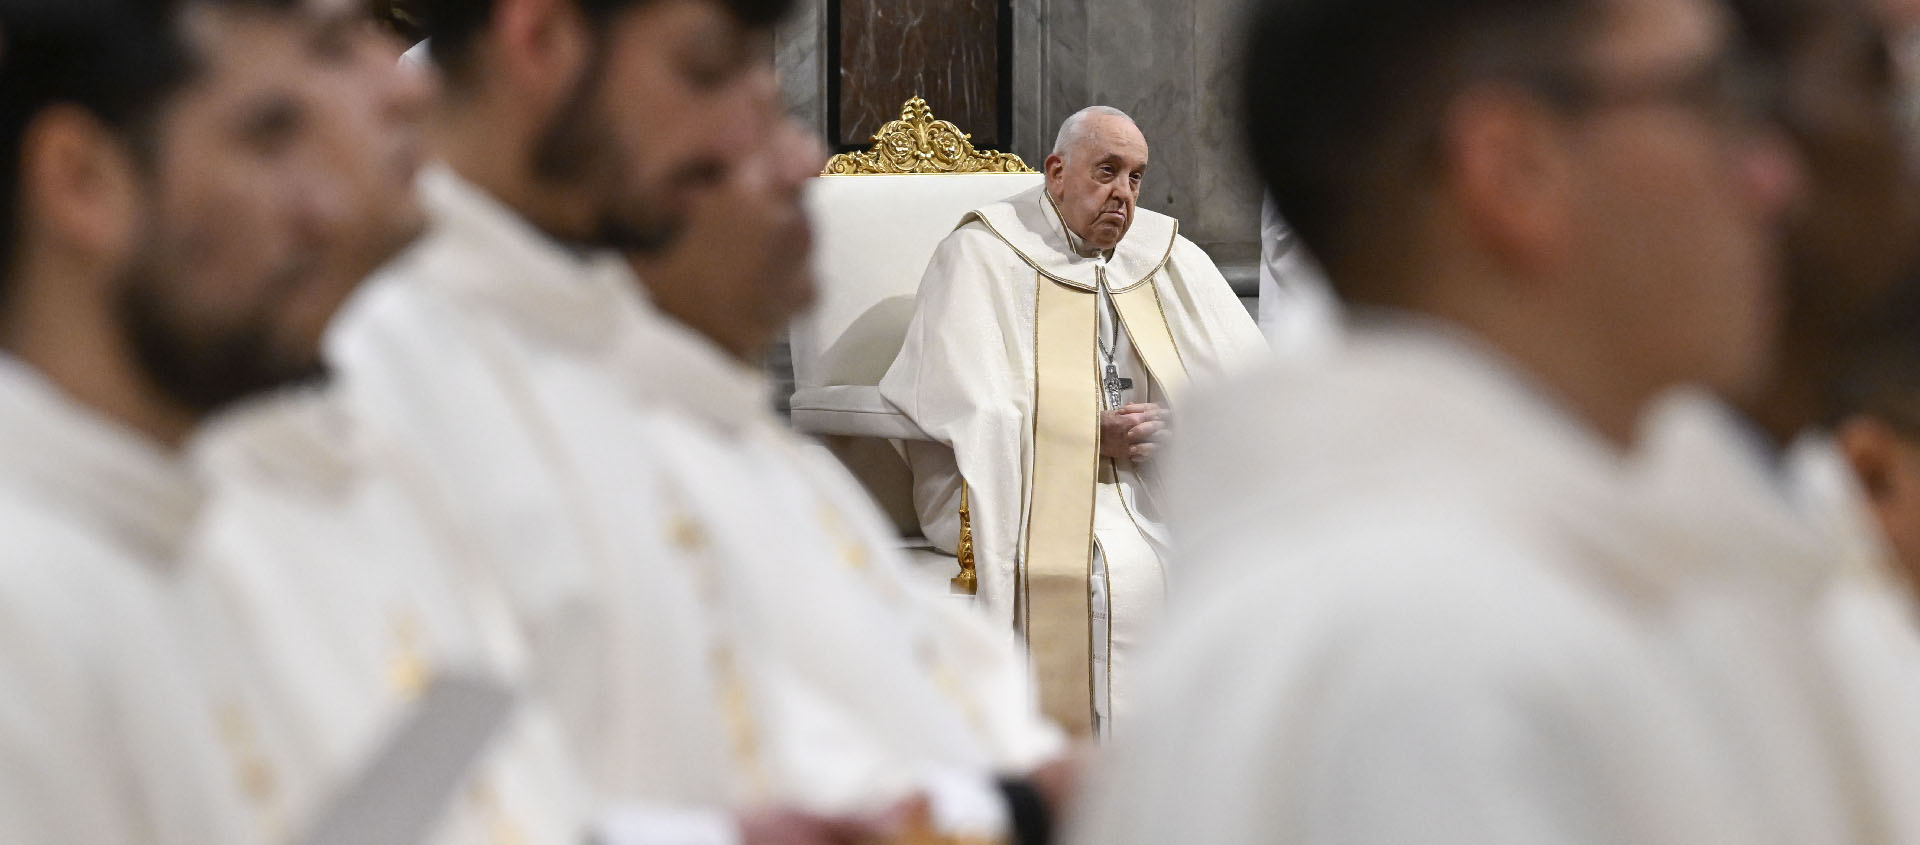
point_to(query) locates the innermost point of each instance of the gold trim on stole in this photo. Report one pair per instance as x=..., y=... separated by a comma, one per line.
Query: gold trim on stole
x=1057, y=557
x=1146, y=323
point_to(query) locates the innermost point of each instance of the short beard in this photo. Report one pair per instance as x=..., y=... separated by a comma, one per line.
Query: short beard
x=205, y=371
x=577, y=150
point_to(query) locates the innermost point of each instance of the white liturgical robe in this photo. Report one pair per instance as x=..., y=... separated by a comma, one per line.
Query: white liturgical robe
x=863, y=684
x=1004, y=367
x=1838, y=607
x=1433, y=608
x=342, y=601
x=106, y=735
x=714, y=615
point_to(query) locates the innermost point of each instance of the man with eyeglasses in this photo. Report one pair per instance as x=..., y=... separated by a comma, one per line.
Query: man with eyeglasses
x=1446, y=568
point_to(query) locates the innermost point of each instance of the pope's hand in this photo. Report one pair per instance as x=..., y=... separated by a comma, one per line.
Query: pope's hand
x=1134, y=432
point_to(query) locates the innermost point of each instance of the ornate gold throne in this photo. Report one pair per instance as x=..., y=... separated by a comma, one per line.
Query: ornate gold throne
x=878, y=215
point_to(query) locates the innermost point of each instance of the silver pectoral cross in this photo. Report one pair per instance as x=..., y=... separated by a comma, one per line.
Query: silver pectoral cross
x=1114, y=384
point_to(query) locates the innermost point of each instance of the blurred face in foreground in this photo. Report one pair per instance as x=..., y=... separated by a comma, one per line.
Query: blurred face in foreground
x=1855, y=240
x=230, y=291
x=671, y=101
x=1678, y=186
x=376, y=111
x=740, y=271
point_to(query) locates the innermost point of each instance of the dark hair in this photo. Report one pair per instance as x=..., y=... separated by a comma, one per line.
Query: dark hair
x=399, y=18
x=1878, y=374
x=1343, y=98
x=455, y=25
x=1770, y=30
x=117, y=60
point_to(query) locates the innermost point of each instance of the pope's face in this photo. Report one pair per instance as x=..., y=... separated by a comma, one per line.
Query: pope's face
x=1096, y=184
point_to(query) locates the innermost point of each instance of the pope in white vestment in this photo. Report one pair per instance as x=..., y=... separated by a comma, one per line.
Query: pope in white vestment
x=106, y=733
x=1020, y=340
x=713, y=612
x=1488, y=625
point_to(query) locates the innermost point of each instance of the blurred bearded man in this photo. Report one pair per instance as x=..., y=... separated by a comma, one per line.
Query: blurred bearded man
x=928, y=698
x=522, y=390
x=1053, y=335
x=323, y=610
x=169, y=211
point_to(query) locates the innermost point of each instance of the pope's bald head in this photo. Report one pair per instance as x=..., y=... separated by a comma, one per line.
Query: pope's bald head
x=1098, y=126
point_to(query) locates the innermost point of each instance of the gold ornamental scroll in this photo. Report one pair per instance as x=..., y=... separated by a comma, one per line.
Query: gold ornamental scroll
x=1058, y=557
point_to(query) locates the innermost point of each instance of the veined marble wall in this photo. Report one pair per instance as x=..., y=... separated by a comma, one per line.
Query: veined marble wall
x=1171, y=64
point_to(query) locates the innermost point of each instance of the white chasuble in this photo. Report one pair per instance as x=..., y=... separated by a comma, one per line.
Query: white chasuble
x=345, y=601
x=1426, y=605
x=107, y=734
x=847, y=682
x=714, y=626
x=1806, y=512
x=1004, y=367
x=487, y=364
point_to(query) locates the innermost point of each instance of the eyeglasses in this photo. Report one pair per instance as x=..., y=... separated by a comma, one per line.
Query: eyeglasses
x=1727, y=90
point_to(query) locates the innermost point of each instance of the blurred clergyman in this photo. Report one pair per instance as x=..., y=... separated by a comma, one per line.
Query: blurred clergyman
x=1053, y=335
x=1467, y=596
x=710, y=615
x=169, y=210
x=920, y=684
x=323, y=606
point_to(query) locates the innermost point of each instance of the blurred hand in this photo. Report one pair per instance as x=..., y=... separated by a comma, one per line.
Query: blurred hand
x=791, y=827
x=1134, y=432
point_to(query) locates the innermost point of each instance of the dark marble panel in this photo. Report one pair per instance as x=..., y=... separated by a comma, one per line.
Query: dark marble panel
x=947, y=51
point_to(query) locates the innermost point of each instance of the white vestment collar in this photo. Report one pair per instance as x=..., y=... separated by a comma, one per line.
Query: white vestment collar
x=696, y=375
x=559, y=291
x=1409, y=402
x=1724, y=497
x=69, y=457
x=1030, y=226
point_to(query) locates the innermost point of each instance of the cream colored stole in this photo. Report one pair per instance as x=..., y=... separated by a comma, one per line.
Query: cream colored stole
x=1058, y=554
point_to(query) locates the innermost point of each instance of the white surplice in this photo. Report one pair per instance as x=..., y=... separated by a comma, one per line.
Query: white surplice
x=342, y=600
x=966, y=375
x=487, y=364
x=1838, y=608
x=862, y=683
x=1430, y=607
x=107, y=734
x=680, y=572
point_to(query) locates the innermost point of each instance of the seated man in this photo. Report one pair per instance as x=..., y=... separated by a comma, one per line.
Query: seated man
x=1053, y=331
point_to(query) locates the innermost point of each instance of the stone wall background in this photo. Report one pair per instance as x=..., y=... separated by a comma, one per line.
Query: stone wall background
x=1172, y=65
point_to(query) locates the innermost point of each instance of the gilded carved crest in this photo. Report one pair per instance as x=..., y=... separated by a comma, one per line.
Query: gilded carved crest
x=918, y=143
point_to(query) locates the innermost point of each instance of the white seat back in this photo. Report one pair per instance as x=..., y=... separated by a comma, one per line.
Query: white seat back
x=873, y=237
